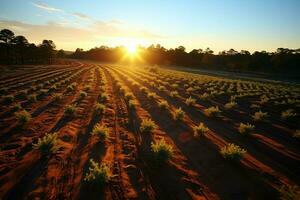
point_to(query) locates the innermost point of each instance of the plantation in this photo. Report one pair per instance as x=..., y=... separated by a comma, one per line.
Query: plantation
x=93, y=131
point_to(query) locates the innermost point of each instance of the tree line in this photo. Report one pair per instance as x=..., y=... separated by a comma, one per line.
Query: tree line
x=284, y=60
x=18, y=50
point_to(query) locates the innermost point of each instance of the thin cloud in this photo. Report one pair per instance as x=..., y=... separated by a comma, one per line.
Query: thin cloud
x=46, y=7
x=116, y=21
x=81, y=16
x=64, y=34
x=49, y=30
x=115, y=28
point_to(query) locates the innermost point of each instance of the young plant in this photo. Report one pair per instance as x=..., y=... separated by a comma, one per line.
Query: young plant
x=32, y=88
x=245, y=128
x=288, y=114
x=297, y=134
x=212, y=111
x=70, y=111
x=200, y=130
x=174, y=94
x=260, y=116
x=143, y=89
x=101, y=131
x=162, y=88
x=98, y=174
x=3, y=91
x=99, y=108
x=23, y=116
x=70, y=88
x=82, y=94
x=163, y=104
x=153, y=69
x=263, y=100
x=122, y=90
x=128, y=96
x=179, y=114
x=22, y=94
x=117, y=85
x=43, y=92
x=53, y=88
x=87, y=88
x=40, y=86
x=16, y=107
x=190, y=101
x=8, y=99
x=151, y=95
x=57, y=97
x=131, y=104
x=135, y=84
x=175, y=86
x=48, y=144
x=288, y=192
x=103, y=97
x=233, y=152
x=205, y=96
x=162, y=151
x=32, y=98
x=230, y=105
x=190, y=90
x=147, y=126
x=255, y=106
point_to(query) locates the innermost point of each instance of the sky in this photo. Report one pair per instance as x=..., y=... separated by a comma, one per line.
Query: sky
x=218, y=24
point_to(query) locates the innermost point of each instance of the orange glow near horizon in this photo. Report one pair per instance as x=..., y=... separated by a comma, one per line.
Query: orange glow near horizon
x=131, y=54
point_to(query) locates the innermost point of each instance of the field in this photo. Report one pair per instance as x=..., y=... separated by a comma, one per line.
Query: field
x=91, y=131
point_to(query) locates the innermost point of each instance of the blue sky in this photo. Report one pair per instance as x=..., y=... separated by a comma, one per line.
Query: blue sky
x=218, y=24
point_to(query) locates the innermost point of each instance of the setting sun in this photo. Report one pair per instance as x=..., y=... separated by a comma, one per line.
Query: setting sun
x=131, y=48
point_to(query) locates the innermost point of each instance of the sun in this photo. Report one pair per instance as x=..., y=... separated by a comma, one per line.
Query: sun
x=131, y=48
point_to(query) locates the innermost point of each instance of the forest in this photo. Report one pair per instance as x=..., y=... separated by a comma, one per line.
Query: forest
x=18, y=50
x=284, y=60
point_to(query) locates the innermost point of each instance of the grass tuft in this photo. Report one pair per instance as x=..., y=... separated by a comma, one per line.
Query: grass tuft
x=162, y=151
x=260, y=116
x=16, y=107
x=82, y=94
x=200, y=130
x=233, y=152
x=179, y=114
x=23, y=116
x=8, y=99
x=245, y=128
x=190, y=101
x=99, y=108
x=101, y=131
x=98, y=174
x=288, y=192
x=102, y=97
x=48, y=144
x=32, y=98
x=288, y=114
x=174, y=94
x=70, y=111
x=147, y=126
x=128, y=96
x=163, y=104
x=212, y=111
x=57, y=97
x=230, y=105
